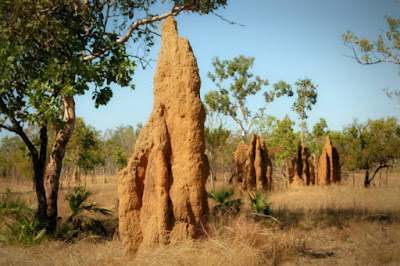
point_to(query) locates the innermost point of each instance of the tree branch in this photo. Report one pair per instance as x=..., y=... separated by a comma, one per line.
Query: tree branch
x=381, y=166
x=17, y=129
x=224, y=19
x=173, y=12
x=363, y=62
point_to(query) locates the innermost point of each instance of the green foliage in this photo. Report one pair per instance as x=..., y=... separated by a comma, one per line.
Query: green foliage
x=385, y=49
x=320, y=128
x=51, y=50
x=84, y=147
x=14, y=158
x=55, y=48
x=217, y=149
x=18, y=224
x=221, y=196
x=372, y=143
x=265, y=125
x=201, y=6
x=216, y=137
x=259, y=203
x=306, y=98
x=120, y=157
x=119, y=144
x=231, y=99
x=77, y=198
x=282, y=136
x=316, y=140
x=77, y=223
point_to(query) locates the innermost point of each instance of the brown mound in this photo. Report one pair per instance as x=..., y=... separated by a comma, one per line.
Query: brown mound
x=300, y=170
x=162, y=190
x=328, y=165
x=253, y=165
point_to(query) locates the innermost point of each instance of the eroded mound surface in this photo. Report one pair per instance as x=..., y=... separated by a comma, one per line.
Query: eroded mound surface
x=253, y=165
x=328, y=165
x=300, y=170
x=162, y=190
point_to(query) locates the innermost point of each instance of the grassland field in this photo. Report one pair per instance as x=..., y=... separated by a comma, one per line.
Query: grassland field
x=344, y=224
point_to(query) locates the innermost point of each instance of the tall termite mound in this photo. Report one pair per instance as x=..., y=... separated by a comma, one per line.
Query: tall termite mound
x=300, y=170
x=328, y=168
x=162, y=190
x=253, y=165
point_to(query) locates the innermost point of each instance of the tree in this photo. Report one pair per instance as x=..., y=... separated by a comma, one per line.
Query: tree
x=84, y=149
x=317, y=136
x=284, y=138
x=306, y=98
x=120, y=157
x=14, y=160
x=123, y=137
x=264, y=126
x=231, y=99
x=385, y=49
x=216, y=139
x=373, y=145
x=119, y=144
x=50, y=51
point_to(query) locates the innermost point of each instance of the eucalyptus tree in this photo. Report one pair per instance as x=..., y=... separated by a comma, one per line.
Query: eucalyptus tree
x=51, y=50
x=306, y=97
x=235, y=83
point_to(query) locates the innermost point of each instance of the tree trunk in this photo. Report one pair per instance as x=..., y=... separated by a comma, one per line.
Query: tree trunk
x=53, y=170
x=40, y=192
x=39, y=164
x=302, y=129
x=367, y=181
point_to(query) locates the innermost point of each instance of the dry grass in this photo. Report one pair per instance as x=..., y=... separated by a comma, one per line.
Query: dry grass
x=342, y=225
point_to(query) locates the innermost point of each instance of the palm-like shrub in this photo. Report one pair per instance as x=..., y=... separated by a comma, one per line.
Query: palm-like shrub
x=76, y=200
x=77, y=222
x=259, y=203
x=221, y=197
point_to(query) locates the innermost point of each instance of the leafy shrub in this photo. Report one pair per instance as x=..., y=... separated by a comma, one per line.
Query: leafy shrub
x=18, y=224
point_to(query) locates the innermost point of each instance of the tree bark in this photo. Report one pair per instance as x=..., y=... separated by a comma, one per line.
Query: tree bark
x=367, y=182
x=39, y=164
x=53, y=170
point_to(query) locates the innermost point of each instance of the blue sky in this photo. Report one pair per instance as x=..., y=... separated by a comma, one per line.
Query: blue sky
x=289, y=40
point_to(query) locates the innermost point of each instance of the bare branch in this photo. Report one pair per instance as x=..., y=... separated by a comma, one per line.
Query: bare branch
x=228, y=21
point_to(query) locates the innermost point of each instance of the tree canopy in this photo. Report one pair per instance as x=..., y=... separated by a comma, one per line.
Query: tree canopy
x=52, y=50
x=372, y=145
x=306, y=97
x=235, y=83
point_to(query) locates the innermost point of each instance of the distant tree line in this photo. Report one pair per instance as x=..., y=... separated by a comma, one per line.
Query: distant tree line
x=90, y=152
